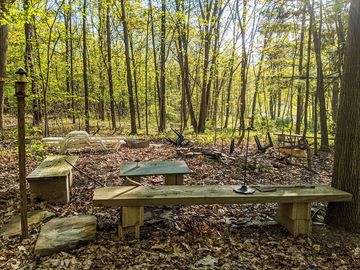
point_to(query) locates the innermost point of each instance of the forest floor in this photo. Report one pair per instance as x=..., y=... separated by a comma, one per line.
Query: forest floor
x=191, y=237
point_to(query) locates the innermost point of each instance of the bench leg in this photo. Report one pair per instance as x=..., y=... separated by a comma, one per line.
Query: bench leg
x=131, y=220
x=177, y=179
x=295, y=217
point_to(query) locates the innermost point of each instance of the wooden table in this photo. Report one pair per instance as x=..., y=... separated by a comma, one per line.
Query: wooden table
x=172, y=170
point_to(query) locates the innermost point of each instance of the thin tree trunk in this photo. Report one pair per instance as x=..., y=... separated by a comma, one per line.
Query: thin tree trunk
x=231, y=75
x=146, y=76
x=208, y=16
x=162, y=101
x=4, y=31
x=299, y=101
x=72, y=80
x=30, y=65
x=320, y=82
x=109, y=66
x=85, y=76
x=135, y=83
x=128, y=69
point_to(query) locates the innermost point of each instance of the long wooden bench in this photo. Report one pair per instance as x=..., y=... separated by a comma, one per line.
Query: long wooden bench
x=294, y=204
x=52, y=179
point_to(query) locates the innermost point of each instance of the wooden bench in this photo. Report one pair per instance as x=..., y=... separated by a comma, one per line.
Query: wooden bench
x=294, y=204
x=52, y=179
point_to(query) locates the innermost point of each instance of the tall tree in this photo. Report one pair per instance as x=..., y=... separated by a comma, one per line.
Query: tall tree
x=30, y=62
x=208, y=14
x=299, y=100
x=128, y=69
x=109, y=66
x=162, y=95
x=320, y=91
x=346, y=164
x=85, y=76
x=4, y=32
x=183, y=55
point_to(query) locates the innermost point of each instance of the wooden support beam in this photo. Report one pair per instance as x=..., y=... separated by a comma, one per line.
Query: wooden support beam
x=295, y=217
x=131, y=220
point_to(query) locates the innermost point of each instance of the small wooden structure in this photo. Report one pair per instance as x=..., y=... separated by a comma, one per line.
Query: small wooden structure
x=294, y=204
x=172, y=170
x=52, y=179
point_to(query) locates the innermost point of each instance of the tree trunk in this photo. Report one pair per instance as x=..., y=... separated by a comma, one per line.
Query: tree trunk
x=30, y=64
x=146, y=76
x=162, y=101
x=347, y=147
x=243, y=73
x=85, y=76
x=135, y=83
x=109, y=67
x=128, y=69
x=183, y=33
x=4, y=31
x=231, y=75
x=209, y=23
x=320, y=82
x=299, y=100
x=72, y=81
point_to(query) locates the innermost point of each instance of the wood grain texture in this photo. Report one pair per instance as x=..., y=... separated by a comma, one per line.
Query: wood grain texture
x=53, y=166
x=210, y=194
x=154, y=168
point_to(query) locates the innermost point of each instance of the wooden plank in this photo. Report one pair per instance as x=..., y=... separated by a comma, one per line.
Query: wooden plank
x=132, y=216
x=295, y=227
x=131, y=220
x=210, y=194
x=170, y=179
x=179, y=179
x=53, y=190
x=295, y=210
x=154, y=168
x=53, y=166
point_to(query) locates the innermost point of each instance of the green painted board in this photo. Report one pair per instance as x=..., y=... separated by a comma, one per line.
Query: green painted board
x=53, y=166
x=210, y=194
x=154, y=168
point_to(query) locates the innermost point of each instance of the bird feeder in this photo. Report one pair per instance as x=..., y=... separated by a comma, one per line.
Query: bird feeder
x=20, y=82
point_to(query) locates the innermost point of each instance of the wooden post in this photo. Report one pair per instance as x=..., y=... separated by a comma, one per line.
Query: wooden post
x=295, y=217
x=20, y=93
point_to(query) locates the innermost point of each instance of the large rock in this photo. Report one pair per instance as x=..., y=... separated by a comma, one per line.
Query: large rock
x=34, y=218
x=67, y=233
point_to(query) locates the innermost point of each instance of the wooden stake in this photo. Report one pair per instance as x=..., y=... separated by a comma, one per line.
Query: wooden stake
x=20, y=87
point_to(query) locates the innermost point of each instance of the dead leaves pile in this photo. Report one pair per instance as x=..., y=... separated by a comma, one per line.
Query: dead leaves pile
x=193, y=237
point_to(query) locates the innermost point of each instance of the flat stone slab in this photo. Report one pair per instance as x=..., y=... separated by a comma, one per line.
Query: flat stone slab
x=13, y=227
x=60, y=234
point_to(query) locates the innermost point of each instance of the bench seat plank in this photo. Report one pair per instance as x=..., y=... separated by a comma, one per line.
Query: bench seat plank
x=210, y=194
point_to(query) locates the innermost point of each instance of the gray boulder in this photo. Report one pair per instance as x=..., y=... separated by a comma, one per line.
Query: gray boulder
x=61, y=234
